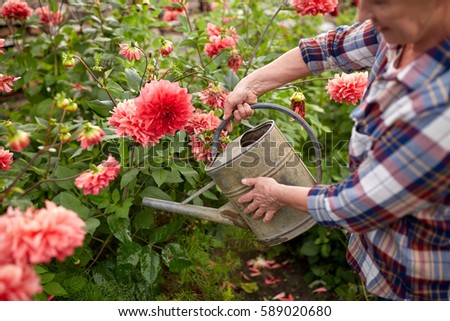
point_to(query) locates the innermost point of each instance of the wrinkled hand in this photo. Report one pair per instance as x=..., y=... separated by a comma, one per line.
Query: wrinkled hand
x=262, y=198
x=238, y=103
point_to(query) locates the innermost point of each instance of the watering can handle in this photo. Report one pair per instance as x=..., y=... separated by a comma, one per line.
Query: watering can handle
x=285, y=110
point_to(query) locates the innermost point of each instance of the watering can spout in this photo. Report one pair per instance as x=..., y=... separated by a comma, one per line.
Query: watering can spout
x=223, y=215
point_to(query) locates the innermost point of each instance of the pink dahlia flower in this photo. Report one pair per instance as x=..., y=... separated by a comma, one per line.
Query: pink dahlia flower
x=48, y=17
x=163, y=107
x=37, y=236
x=18, y=282
x=214, y=95
x=6, y=82
x=15, y=10
x=91, y=135
x=171, y=12
x=234, y=60
x=93, y=181
x=347, y=88
x=213, y=30
x=127, y=124
x=166, y=47
x=6, y=159
x=201, y=128
x=314, y=7
x=130, y=51
x=2, y=45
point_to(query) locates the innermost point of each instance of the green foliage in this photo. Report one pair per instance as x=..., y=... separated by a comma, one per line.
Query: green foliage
x=132, y=252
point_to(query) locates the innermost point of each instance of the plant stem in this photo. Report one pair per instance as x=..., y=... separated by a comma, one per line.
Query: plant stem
x=261, y=39
x=96, y=79
x=145, y=69
x=191, y=30
x=23, y=171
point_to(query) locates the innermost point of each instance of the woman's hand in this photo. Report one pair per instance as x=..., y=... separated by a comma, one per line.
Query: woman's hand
x=238, y=103
x=262, y=198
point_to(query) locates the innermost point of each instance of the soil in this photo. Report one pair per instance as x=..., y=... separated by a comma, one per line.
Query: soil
x=289, y=278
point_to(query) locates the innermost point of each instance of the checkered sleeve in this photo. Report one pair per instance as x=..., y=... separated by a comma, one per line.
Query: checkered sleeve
x=405, y=172
x=347, y=49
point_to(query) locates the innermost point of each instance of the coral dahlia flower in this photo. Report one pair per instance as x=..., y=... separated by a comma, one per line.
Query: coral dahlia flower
x=124, y=119
x=163, y=107
x=201, y=128
x=90, y=135
x=6, y=82
x=2, y=45
x=214, y=95
x=130, y=51
x=314, y=7
x=38, y=235
x=6, y=159
x=93, y=181
x=18, y=282
x=347, y=88
x=15, y=10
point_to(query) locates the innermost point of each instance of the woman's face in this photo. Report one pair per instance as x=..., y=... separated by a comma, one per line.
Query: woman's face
x=403, y=21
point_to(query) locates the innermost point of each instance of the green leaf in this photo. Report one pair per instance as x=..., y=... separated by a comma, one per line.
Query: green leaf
x=175, y=257
x=91, y=225
x=250, y=287
x=115, y=89
x=309, y=249
x=71, y=202
x=63, y=172
x=54, y=288
x=120, y=228
x=133, y=79
x=163, y=233
x=123, y=209
x=101, y=107
x=159, y=175
x=155, y=192
x=150, y=265
x=128, y=177
x=47, y=277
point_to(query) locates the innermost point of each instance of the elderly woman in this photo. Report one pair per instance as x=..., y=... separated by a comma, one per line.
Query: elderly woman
x=396, y=200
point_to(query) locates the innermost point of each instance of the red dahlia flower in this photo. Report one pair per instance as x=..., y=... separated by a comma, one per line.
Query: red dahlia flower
x=6, y=159
x=163, y=107
x=314, y=7
x=15, y=10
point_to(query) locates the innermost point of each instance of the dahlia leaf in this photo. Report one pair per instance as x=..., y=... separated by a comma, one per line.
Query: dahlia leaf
x=133, y=79
x=159, y=175
x=150, y=265
x=128, y=177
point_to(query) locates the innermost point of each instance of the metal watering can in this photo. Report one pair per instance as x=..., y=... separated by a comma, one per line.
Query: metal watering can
x=261, y=151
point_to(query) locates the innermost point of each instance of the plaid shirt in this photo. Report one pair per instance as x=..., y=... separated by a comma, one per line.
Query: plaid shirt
x=396, y=200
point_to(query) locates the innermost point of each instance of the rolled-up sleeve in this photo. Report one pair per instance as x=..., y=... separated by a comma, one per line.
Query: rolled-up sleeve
x=347, y=49
x=406, y=171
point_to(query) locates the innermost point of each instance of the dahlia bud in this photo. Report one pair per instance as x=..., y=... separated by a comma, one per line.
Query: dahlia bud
x=62, y=101
x=18, y=139
x=166, y=47
x=64, y=134
x=234, y=60
x=298, y=103
x=73, y=107
x=68, y=60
